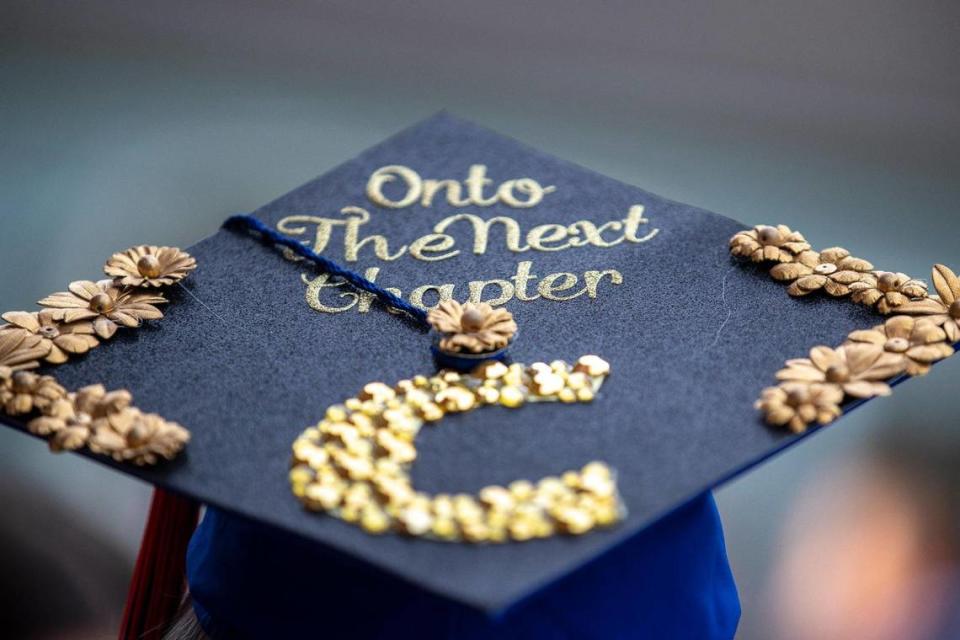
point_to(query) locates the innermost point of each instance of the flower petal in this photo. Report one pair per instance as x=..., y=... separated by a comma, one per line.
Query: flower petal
x=930, y=352
x=811, y=283
x=789, y=271
x=899, y=327
x=75, y=342
x=64, y=300
x=860, y=357
x=866, y=389
x=104, y=327
x=825, y=357
x=84, y=289
x=800, y=373
x=835, y=289
x=927, y=306
x=872, y=336
x=952, y=329
x=23, y=319
x=946, y=283
x=56, y=355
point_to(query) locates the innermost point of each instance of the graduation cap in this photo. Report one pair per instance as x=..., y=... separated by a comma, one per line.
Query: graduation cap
x=564, y=484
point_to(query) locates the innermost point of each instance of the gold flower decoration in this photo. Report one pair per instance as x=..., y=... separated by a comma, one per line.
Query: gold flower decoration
x=107, y=424
x=20, y=349
x=61, y=339
x=887, y=290
x=859, y=369
x=772, y=244
x=943, y=309
x=23, y=392
x=149, y=266
x=140, y=438
x=107, y=304
x=85, y=409
x=797, y=404
x=919, y=341
x=473, y=328
x=834, y=272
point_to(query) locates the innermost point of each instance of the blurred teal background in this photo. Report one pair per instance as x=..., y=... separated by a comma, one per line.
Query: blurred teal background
x=123, y=123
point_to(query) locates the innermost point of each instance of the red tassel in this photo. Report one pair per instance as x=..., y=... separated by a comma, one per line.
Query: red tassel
x=157, y=586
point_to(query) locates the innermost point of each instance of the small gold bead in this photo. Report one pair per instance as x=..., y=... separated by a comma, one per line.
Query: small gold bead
x=476, y=532
x=431, y=412
x=442, y=506
x=301, y=474
x=497, y=498
x=321, y=496
x=511, y=397
x=416, y=520
x=350, y=514
x=514, y=376
x=575, y=521
x=444, y=528
x=376, y=391
x=374, y=520
x=456, y=399
x=578, y=380
x=606, y=514
x=521, y=489
x=488, y=395
x=522, y=529
x=592, y=365
x=336, y=413
x=466, y=507
x=547, y=383
x=491, y=370
x=571, y=479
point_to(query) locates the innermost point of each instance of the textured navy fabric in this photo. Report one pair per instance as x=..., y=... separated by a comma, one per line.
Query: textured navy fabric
x=691, y=336
x=671, y=581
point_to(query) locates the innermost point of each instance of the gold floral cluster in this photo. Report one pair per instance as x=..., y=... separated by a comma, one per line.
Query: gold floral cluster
x=920, y=329
x=355, y=464
x=72, y=323
x=472, y=328
x=833, y=270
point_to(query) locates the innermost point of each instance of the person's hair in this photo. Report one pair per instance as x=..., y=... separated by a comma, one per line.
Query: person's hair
x=186, y=626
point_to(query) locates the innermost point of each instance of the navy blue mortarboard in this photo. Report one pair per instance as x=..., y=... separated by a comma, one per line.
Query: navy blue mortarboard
x=262, y=342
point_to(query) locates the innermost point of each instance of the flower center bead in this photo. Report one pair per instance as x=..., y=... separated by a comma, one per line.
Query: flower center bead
x=769, y=235
x=797, y=396
x=837, y=373
x=955, y=310
x=825, y=269
x=472, y=320
x=23, y=381
x=148, y=266
x=887, y=282
x=49, y=332
x=897, y=345
x=101, y=303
